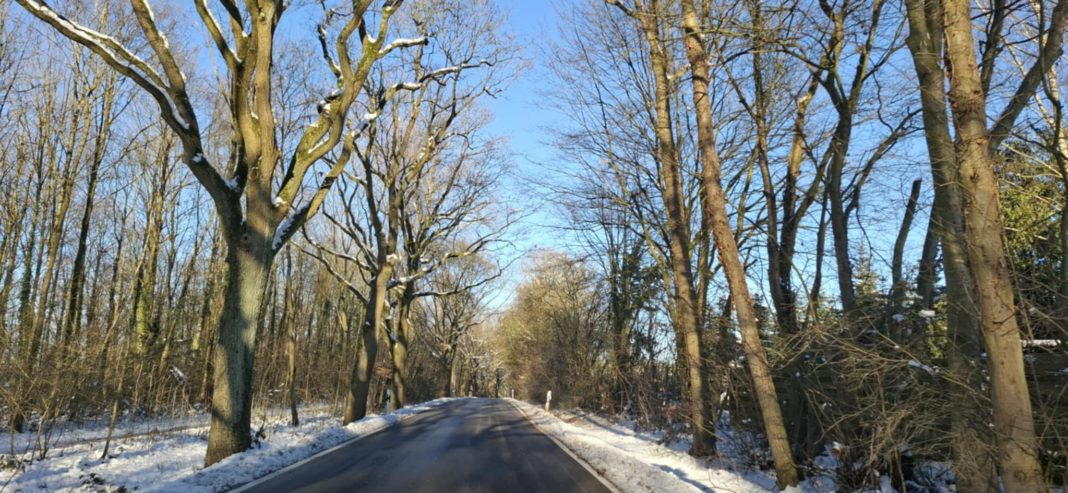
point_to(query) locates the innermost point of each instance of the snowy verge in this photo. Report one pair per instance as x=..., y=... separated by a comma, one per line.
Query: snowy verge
x=636, y=464
x=174, y=461
x=130, y=425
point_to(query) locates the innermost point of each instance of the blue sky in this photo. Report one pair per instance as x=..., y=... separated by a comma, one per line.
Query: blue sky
x=522, y=114
x=519, y=113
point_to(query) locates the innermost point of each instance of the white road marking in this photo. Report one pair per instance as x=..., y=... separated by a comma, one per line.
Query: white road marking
x=607, y=484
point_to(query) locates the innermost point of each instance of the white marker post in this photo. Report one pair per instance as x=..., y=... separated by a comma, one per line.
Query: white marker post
x=548, y=399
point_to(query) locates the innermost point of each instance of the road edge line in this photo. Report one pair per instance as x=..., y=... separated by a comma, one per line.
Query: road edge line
x=582, y=462
x=244, y=487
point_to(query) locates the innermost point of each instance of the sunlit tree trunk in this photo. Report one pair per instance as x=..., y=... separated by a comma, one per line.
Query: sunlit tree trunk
x=985, y=249
x=714, y=207
x=685, y=304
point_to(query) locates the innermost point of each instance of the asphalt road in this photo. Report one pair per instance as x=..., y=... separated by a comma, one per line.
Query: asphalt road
x=470, y=445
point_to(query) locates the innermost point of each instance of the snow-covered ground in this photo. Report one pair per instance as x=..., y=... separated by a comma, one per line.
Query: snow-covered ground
x=640, y=461
x=169, y=456
x=634, y=462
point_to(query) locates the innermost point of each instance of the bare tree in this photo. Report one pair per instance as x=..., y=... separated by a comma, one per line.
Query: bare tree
x=714, y=207
x=687, y=321
x=424, y=180
x=969, y=163
x=256, y=220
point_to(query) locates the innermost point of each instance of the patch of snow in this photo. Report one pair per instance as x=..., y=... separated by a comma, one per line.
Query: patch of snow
x=636, y=463
x=231, y=183
x=898, y=317
x=927, y=313
x=928, y=369
x=1042, y=343
x=409, y=86
x=283, y=228
x=402, y=43
x=161, y=462
x=177, y=373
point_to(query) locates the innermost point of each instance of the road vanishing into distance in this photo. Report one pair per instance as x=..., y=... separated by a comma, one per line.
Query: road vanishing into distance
x=468, y=445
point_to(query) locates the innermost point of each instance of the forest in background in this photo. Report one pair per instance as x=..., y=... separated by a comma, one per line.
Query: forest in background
x=117, y=273
x=740, y=185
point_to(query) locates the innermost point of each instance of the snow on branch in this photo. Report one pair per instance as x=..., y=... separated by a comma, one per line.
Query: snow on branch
x=422, y=272
x=403, y=43
x=434, y=74
x=406, y=86
x=283, y=230
x=299, y=215
x=115, y=54
x=453, y=69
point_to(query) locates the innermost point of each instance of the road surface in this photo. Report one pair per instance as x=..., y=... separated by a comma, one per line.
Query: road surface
x=469, y=445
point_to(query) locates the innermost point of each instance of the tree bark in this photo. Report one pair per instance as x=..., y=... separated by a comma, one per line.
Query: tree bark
x=367, y=352
x=897, y=277
x=455, y=363
x=983, y=235
x=291, y=376
x=974, y=465
x=927, y=272
x=143, y=312
x=714, y=208
x=248, y=263
x=401, y=340
x=686, y=321
x=839, y=219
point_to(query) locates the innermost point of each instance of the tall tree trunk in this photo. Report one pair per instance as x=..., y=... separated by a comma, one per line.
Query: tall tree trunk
x=814, y=302
x=144, y=295
x=686, y=323
x=291, y=376
x=839, y=219
x=69, y=170
x=714, y=207
x=367, y=352
x=401, y=340
x=248, y=264
x=927, y=272
x=77, y=282
x=25, y=315
x=897, y=277
x=455, y=363
x=983, y=235
x=207, y=296
x=974, y=465
x=10, y=262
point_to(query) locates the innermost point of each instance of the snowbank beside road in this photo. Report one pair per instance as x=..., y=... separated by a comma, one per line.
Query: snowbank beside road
x=637, y=464
x=174, y=461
